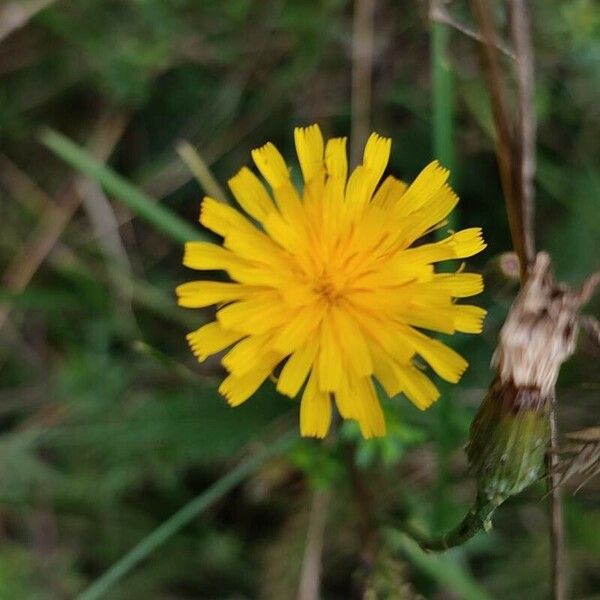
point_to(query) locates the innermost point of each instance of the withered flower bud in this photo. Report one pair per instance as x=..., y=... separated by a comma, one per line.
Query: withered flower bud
x=508, y=440
x=510, y=433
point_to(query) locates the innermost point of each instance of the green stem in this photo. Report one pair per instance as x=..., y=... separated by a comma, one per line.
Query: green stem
x=182, y=517
x=442, y=90
x=477, y=519
x=451, y=575
x=443, y=95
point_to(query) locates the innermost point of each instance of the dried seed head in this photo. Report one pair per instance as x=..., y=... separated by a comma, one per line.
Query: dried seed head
x=540, y=331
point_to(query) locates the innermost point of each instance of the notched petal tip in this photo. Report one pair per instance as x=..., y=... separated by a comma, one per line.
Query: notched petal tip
x=271, y=164
x=376, y=157
x=436, y=165
x=309, y=130
x=467, y=242
x=369, y=433
x=312, y=433
x=315, y=410
x=469, y=318
x=309, y=148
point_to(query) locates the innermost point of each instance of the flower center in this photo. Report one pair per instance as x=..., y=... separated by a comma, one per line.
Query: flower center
x=329, y=287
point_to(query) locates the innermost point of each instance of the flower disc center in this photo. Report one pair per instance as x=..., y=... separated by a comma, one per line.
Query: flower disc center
x=329, y=287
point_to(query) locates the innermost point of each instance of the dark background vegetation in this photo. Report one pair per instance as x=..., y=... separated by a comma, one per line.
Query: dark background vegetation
x=107, y=425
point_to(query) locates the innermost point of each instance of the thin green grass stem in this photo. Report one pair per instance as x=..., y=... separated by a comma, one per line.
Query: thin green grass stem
x=442, y=96
x=197, y=165
x=443, y=150
x=173, y=524
x=142, y=205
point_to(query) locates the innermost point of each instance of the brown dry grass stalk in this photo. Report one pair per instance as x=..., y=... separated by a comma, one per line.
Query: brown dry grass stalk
x=310, y=574
x=579, y=456
x=362, y=67
x=14, y=15
x=515, y=150
x=55, y=215
x=509, y=160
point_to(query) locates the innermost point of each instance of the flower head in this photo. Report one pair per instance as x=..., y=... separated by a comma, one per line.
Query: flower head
x=325, y=283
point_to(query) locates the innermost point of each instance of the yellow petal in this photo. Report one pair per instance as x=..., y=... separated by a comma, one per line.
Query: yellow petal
x=315, y=410
x=424, y=188
x=469, y=319
x=462, y=244
x=330, y=358
x=207, y=256
x=326, y=208
x=370, y=416
x=331, y=216
x=346, y=399
x=287, y=234
x=246, y=355
x=198, y=294
x=241, y=236
x=384, y=332
x=255, y=316
x=426, y=316
x=466, y=243
x=297, y=295
x=385, y=370
x=296, y=369
x=389, y=193
x=458, y=285
x=447, y=363
x=312, y=198
x=209, y=339
x=288, y=202
x=251, y=194
x=238, y=389
x=273, y=168
x=300, y=327
x=336, y=160
x=354, y=345
x=392, y=276
x=221, y=218
x=418, y=387
x=357, y=191
x=309, y=147
x=430, y=215
x=375, y=159
x=271, y=165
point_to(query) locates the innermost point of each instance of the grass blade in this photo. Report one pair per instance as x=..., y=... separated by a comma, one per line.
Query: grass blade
x=142, y=205
x=443, y=95
x=197, y=165
x=182, y=517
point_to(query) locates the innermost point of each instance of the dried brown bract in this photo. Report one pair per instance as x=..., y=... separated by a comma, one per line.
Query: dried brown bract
x=580, y=456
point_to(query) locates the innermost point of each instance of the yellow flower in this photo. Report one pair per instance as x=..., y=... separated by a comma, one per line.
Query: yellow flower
x=326, y=285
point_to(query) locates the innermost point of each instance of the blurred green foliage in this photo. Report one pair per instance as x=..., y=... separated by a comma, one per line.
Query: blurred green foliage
x=107, y=426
